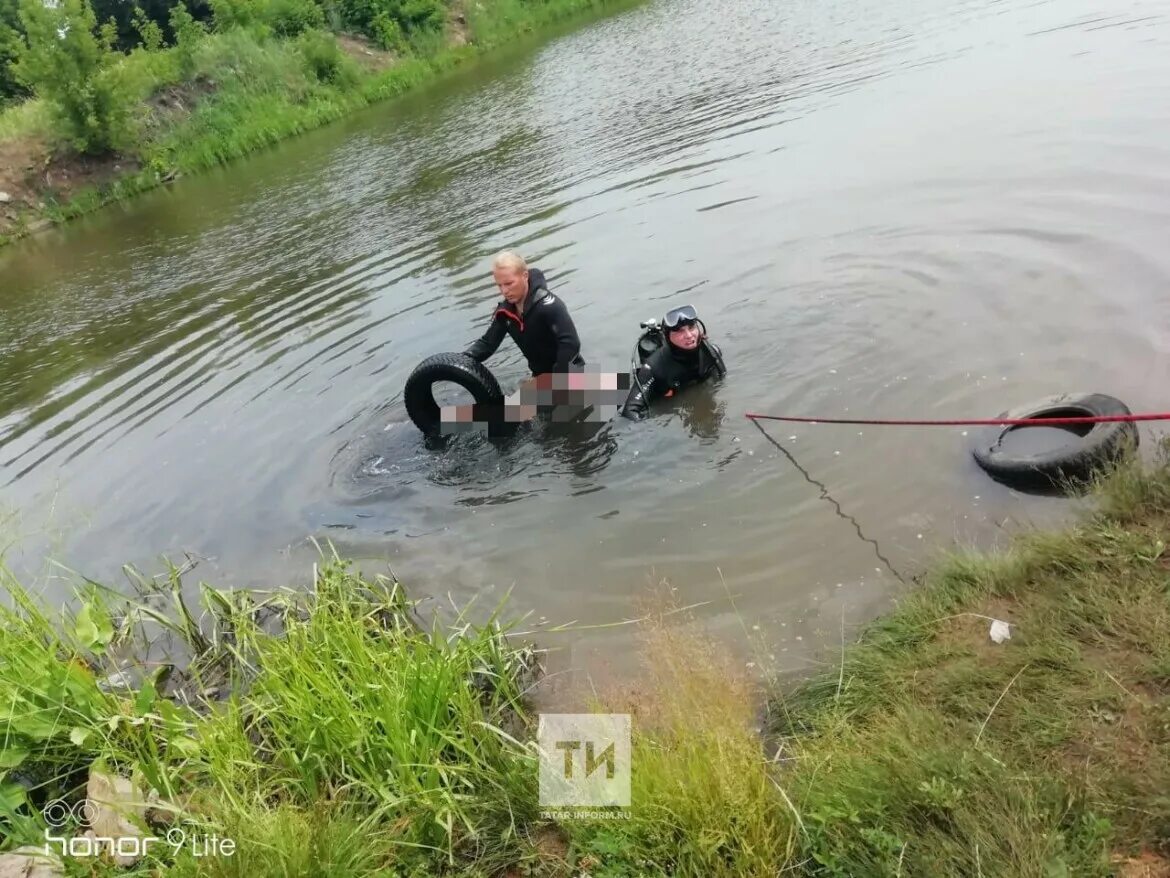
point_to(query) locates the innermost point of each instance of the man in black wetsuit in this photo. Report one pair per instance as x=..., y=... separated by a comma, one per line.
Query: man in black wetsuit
x=687, y=357
x=536, y=320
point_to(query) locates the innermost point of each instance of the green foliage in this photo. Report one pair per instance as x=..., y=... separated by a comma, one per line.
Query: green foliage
x=229, y=14
x=324, y=60
x=355, y=728
x=60, y=717
x=129, y=17
x=148, y=31
x=387, y=32
x=11, y=41
x=705, y=802
x=73, y=69
x=392, y=22
x=189, y=34
x=355, y=696
x=290, y=18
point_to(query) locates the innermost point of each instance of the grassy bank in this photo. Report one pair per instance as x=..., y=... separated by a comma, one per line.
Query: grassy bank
x=220, y=95
x=927, y=749
x=340, y=736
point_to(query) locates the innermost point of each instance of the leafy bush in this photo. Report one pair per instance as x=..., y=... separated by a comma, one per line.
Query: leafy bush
x=188, y=34
x=11, y=40
x=148, y=30
x=387, y=32
x=392, y=22
x=421, y=15
x=127, y=17
x=71, y=67
x=289, y=18
x=323, y=58
x=229, y=14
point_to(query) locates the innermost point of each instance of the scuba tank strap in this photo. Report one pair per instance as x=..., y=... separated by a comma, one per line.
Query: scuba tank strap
x=716, y=355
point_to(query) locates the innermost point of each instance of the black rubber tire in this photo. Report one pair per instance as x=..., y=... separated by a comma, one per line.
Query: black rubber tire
x=459, y=369
x=1074, y=463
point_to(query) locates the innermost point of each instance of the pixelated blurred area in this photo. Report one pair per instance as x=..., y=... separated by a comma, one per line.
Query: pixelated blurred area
x=558, y=397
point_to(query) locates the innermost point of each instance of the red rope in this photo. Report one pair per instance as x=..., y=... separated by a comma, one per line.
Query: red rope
x=973, y=422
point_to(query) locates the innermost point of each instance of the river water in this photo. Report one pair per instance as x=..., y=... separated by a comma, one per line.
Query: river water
x=890, y=208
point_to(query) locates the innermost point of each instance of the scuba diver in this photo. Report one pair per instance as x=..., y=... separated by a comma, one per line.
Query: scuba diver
x=673, y=353
x=536, y=320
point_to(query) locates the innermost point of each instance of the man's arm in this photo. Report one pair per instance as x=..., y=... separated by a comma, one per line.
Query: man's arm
x=489, y=342
x=642, y=393
x=562, y=327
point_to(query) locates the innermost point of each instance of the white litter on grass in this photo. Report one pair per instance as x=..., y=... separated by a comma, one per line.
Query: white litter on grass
x=1000, y=631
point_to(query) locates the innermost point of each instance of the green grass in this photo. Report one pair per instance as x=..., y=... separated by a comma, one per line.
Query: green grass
x=369, y=737
x=937, y=750
x=356, y=740
x=28, y=119
x=705, y=800
x=929, y=750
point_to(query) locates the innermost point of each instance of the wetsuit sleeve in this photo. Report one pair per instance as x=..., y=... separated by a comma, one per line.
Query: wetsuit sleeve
x=561, y=325
x=487, y=344
x=642, y=392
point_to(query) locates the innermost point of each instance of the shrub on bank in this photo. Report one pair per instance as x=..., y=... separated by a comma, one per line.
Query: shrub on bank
x=11, y=41
x=394, y=23
x=324, y=60
x=75, y=70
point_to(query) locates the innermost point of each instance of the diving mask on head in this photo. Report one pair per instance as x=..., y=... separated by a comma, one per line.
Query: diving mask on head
x=677, y=317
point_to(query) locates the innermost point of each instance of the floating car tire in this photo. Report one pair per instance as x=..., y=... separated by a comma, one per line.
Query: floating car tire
x=1087, y=452
x=459, y=369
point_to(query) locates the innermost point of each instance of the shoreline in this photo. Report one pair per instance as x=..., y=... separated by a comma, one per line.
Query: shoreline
x=189, y=125
x=339, y=726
